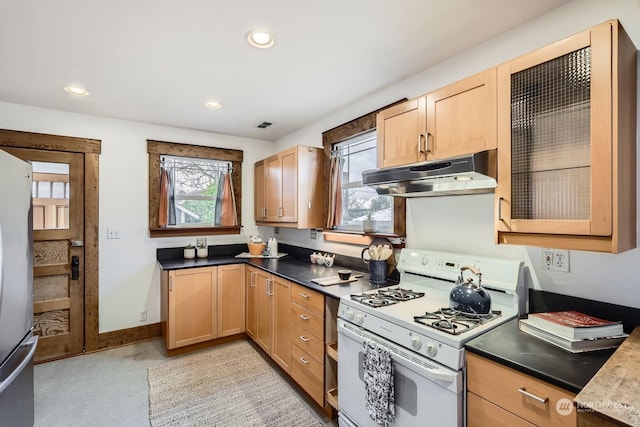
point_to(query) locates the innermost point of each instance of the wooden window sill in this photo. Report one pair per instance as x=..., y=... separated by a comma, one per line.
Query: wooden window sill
x=363, y=239
x=193, y=231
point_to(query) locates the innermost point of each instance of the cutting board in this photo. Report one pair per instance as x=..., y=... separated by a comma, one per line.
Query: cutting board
x=334, y=280
x=248, y=255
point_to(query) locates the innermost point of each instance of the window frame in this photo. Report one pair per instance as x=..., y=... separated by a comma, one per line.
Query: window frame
x=338, y=134
x=157, y=149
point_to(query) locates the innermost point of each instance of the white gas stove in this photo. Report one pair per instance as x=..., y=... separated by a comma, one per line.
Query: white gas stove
x=413, y=321
x=423, y=322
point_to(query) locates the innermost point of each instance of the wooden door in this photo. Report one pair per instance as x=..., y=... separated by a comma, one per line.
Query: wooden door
x=251, y=324
x=264, y=304
x=401, y=133
x=289, y=202
x=58, y=264
x=281, y=351
x=273, y=188
x=192, y=302
x=462, y=117
x=231, y=296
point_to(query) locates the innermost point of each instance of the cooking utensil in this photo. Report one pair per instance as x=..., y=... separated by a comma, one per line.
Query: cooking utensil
x=469, y=297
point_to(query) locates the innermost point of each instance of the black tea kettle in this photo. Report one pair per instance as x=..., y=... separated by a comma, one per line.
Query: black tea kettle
x=468, y=297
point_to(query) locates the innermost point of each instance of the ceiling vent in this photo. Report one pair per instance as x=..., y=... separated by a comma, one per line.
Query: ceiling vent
x=264, y=125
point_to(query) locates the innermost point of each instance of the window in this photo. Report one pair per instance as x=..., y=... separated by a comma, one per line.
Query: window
x=361, y=203
x=354, y=133
x=189, y=190
x=197, y=184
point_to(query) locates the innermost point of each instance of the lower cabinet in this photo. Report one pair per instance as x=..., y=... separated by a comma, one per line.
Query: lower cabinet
x=287, y=321
x=268, y=301
x=201, y=304
x=500, y=396
x=307, y=344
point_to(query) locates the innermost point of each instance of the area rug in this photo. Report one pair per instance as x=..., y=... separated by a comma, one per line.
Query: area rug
x=230, y=385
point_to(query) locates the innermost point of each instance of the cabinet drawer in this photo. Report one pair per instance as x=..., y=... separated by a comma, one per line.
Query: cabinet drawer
x=308, y=373
x=516, y=392
x=308, y=321
x=308, y=342
x=482, y=413
x=307, y=298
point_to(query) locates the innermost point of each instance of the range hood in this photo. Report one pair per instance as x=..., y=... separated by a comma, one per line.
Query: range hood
x=471, y=174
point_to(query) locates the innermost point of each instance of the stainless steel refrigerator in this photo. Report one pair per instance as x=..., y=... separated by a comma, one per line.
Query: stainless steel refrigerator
x=17, y=342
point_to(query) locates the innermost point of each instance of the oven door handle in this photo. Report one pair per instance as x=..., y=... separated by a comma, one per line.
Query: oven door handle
x=437, y=374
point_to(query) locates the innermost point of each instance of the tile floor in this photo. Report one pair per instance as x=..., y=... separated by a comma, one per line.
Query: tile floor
x=103, y=389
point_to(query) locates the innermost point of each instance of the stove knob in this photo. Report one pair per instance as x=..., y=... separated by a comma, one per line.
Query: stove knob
x=431, y=349
x=416, y=343
x=425, y=260
x=349, y=314
x=359, y=318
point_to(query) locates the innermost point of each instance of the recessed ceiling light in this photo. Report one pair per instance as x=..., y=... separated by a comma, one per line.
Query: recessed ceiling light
x=260, y=39
x=213, y=104
x=76, y=90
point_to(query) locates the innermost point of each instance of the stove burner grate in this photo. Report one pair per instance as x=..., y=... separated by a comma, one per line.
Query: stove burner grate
x=384, y=297
x=455, y=322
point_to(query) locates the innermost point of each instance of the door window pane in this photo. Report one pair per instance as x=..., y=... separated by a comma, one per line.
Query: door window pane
x=50, y=195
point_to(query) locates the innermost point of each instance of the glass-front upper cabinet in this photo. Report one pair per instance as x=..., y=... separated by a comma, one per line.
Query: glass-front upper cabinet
x=566, y=144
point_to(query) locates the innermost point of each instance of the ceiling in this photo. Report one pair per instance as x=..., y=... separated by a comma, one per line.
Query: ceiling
x=157, y=61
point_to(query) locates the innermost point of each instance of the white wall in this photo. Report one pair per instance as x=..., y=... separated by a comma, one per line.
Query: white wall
x=465, y=223
x=129, y=276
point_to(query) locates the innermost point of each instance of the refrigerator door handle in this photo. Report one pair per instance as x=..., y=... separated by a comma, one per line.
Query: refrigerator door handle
x=33, y=343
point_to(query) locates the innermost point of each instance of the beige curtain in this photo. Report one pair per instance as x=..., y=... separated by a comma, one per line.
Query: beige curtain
x=334, y=216
x=229, y=217
x=164, y=198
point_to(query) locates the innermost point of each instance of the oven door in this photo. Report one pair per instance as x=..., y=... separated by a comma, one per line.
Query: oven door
x=424, y=390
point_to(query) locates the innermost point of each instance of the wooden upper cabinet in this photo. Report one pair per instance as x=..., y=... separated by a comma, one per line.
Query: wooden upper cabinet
x=292, y=195
x=455, y=120
x=566, y=144
x=260, y=188
x=273, y=188
x=289, y=185
x=401, y=131
x=461, y=117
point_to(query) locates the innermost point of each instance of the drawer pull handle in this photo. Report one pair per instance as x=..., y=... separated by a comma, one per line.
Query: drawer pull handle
x=533, y=396
x=303, y=295
x=303, y=360
x=303, y=338
x=304, y=317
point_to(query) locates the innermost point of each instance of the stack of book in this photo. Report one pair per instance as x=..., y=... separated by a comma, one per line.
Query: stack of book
x=574, y=331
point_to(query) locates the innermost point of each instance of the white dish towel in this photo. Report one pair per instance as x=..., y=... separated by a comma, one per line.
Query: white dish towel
x=378, y=382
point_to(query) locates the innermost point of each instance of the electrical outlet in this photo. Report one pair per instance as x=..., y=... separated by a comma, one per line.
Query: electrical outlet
x=276, y=230
x=314, y=234
x=561, y=260
x=555, y=259
x=113, y=233
x=143, y=315
x=547, y=259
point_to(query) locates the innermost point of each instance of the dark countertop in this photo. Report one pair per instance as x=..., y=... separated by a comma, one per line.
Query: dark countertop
x=288, y=267
x=507, y=345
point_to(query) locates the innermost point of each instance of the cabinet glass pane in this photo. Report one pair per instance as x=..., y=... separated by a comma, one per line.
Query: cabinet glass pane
x=550, y=139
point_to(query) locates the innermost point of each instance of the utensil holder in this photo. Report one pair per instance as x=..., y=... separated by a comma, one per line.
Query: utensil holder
x=378, y=272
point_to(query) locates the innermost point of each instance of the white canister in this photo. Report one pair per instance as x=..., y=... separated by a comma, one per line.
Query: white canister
x=273, y=247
